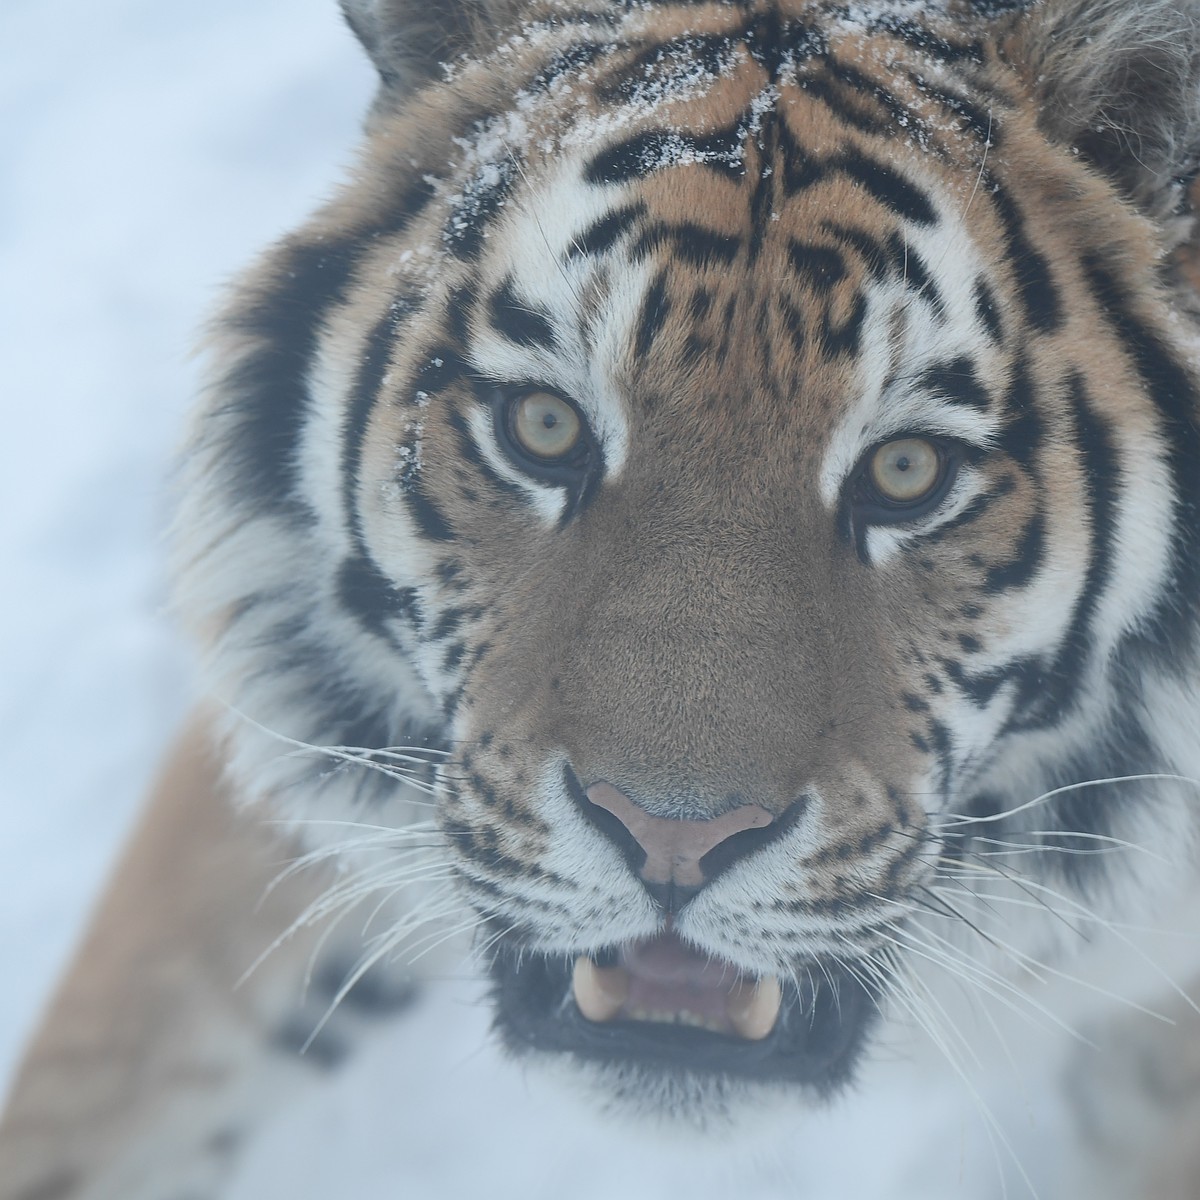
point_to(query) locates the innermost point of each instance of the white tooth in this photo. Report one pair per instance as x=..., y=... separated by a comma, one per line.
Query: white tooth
x=599, y=991
x=753, y=1008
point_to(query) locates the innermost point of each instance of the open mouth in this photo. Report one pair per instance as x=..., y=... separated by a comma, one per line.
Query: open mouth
x=662, y=1004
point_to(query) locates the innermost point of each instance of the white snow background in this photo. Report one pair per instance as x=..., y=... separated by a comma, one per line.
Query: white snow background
x=148, y=150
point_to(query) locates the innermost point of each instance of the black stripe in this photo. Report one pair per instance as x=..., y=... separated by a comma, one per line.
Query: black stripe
x=482, y=197
x=774, y=45
x=363, y=589
x=651, y=150
x=458, y=314
x=868, y=248
x=1023, y=435
x=372, y=599
x=943, y=748
x=981, y=688
x=568, y=62
x=655, y=308
x=1174, y=394
x=1101, y=470
x=375, y=360
x=844, y=338
x=430, y=519
x=517, y=320
x=443, y=366
x=974, y=118
x=894, y=113
x=693, y=244
x=846, y=104
x=910, y=266
x=801, y=170
x=447, y=624
x=1031, y=269
x=886, y=186
x=820, y=266
x=764, y=192
x=603, y=235
x=987, y=312
x=267, y=390
x=957, y=382
x=996, y=8
x=967, y=516
x=1021, y=568
x=668, y=65
x=469, y=451
x=794, y=323
x=921, y=38
x=1124, y=748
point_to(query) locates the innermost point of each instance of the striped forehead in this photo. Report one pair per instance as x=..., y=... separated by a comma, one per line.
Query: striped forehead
x=571, y=268
x=553, y=312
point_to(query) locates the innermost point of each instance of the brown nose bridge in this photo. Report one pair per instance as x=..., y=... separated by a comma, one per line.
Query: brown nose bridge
x=674, y=848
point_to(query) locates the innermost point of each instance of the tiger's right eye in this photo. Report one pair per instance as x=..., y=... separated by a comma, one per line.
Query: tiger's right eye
x=543, y=433
x=903, y=479
x=545, y=426
x=905, y=471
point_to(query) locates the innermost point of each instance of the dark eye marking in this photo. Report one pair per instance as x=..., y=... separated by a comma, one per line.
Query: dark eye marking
x=956, y=381
x=518, y=320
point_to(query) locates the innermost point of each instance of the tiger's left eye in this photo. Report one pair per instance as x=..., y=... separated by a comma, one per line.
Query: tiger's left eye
x=545, y=426
x=906, y=471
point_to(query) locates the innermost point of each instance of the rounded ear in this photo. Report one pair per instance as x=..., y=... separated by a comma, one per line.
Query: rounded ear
x=1119, y=82
x=409, y=40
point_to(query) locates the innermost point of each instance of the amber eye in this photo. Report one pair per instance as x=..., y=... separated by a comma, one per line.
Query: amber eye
x=545, y=426
x=906, y=471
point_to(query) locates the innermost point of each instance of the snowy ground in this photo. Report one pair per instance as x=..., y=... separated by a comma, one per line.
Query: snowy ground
x=149, y=149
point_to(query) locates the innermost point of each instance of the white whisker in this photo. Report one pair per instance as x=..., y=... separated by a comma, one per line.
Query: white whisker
x=1154, y=776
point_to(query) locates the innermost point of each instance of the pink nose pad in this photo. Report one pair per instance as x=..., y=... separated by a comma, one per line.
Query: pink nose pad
x=674, y=848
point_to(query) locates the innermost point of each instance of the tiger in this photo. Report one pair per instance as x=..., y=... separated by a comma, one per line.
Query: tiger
x=715, y=499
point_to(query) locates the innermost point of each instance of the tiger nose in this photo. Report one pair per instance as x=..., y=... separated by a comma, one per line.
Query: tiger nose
x=678, y=857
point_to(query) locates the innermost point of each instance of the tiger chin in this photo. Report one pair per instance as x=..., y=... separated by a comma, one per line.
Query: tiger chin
x=739, y=462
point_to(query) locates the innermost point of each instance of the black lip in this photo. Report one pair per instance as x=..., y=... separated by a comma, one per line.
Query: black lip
x=816, y=1042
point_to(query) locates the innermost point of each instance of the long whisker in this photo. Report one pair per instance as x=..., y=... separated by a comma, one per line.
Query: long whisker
x=1114, y=930
x=905, y=993
x=953, y=819
x=1036, y=966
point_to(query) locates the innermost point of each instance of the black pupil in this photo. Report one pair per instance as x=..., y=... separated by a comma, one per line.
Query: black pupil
x=902, y=464
x=549, y=420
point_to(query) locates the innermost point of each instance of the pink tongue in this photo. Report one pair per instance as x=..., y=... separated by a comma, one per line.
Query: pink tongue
x=667, y=975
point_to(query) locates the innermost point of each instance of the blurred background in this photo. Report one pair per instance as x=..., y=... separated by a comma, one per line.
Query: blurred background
x=148, y=151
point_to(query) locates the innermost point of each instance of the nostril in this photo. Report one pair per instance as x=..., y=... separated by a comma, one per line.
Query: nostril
x=724, y=854
x=674, y=847
x=675, y=858
x=607, y=823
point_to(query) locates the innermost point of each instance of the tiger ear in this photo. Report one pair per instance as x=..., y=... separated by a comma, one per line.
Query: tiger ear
x=409, y=40
x=1120, y=83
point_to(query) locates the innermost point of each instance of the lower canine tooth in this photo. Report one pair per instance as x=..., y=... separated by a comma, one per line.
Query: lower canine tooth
x=599, y=991
x=753, y=1008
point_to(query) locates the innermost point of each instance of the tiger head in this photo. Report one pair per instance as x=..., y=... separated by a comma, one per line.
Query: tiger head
x=756, y=441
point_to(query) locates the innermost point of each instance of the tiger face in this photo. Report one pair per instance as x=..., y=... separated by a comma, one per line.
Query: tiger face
x=754, y=441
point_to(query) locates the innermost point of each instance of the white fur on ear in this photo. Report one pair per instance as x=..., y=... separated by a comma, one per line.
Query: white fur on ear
x=1120, y=81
